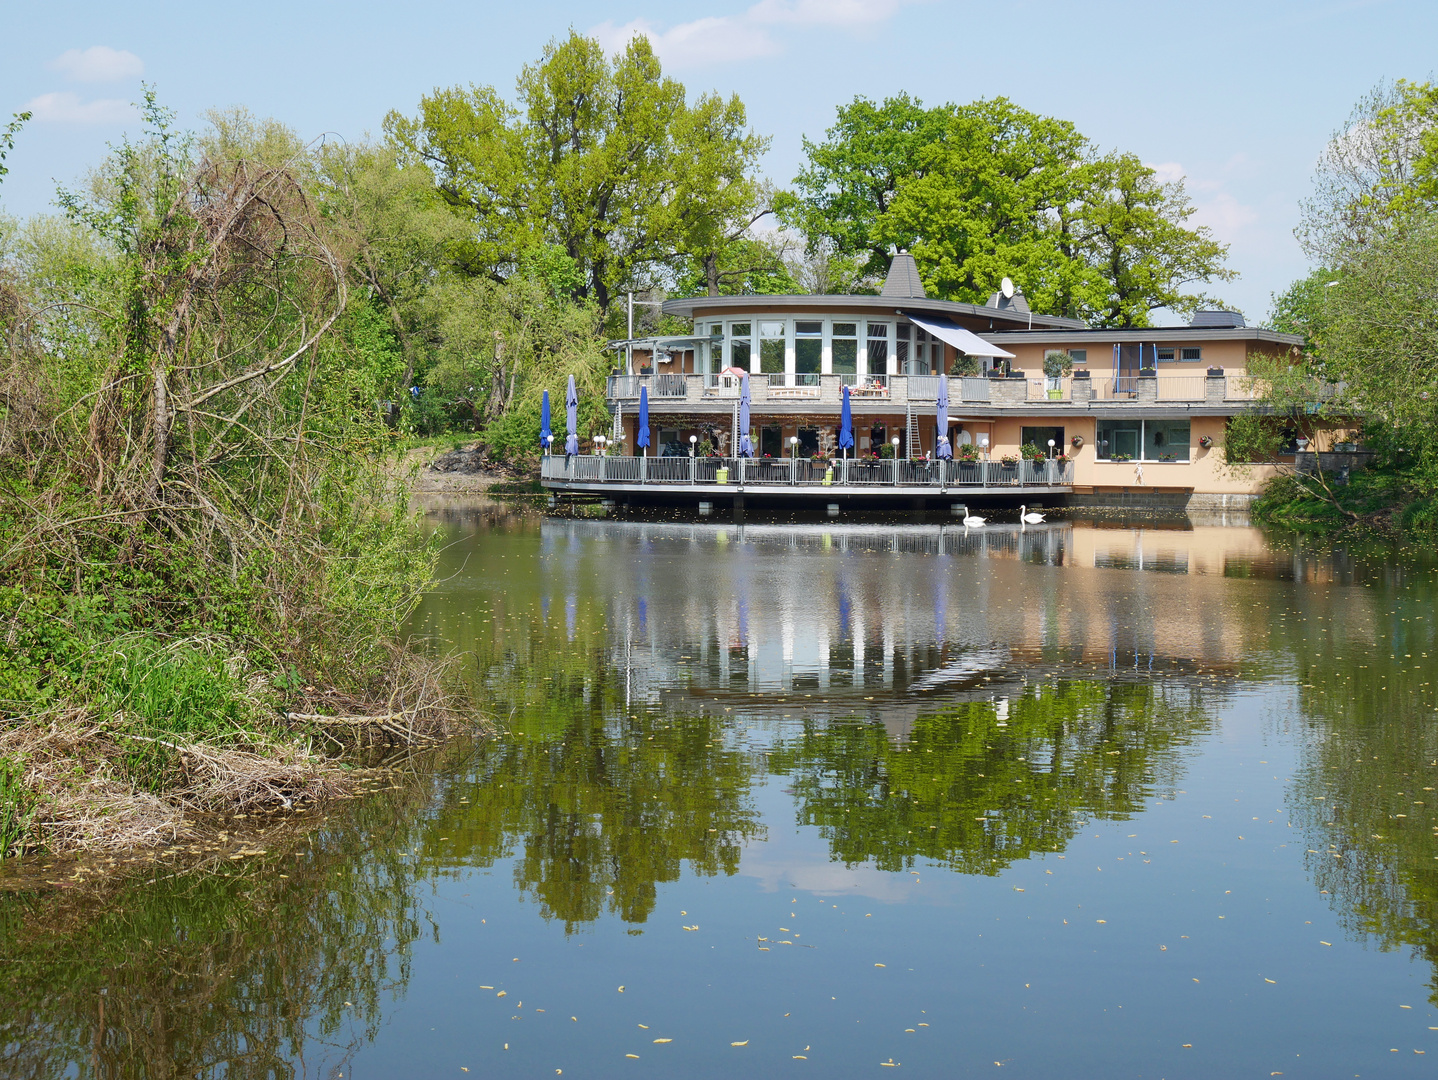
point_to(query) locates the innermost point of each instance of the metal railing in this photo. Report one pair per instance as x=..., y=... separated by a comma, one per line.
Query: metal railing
x=624, y=386
x=670, y=385
x=923, y=387
x=838, y=473
x=972, y=388
x=1042, y=390
x=1181, y=387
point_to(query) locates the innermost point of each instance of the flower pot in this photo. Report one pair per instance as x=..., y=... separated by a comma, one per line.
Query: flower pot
x=721, y=476
x=1056, y=395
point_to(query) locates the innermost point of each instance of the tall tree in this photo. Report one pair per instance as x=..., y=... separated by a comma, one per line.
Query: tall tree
x=854, y=176
x=1381, y=164
x=606, y=160
x=991, y=190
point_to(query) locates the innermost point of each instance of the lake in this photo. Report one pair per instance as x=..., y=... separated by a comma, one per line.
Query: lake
x=1086, y=799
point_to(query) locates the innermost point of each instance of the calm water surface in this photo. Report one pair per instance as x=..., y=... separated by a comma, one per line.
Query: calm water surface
x=819, y=800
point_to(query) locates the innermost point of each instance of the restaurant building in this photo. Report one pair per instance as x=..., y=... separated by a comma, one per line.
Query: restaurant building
x=1121, y=412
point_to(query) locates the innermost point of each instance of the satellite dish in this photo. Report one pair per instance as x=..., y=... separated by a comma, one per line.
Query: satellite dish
x=1007, y=288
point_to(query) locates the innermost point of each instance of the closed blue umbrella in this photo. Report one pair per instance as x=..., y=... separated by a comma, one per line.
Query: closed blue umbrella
x=846, y=424
x=745, y=446
x=571, y=419
x=545, y=435
x=642, y=439
x=944, y=450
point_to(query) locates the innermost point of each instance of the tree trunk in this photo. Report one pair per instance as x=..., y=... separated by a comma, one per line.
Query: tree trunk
x=711, y=273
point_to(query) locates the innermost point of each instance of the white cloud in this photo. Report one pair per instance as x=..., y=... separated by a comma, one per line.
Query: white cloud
x=65, y=107
x=718, y=39
x=1214, y=206
x=1166, y=171
x=98, y=63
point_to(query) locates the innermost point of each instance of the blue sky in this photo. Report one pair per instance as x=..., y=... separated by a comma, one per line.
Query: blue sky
x=1237, y=97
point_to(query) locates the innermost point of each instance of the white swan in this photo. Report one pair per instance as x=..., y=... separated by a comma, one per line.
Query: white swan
x=1027, y=518
x=970, y=521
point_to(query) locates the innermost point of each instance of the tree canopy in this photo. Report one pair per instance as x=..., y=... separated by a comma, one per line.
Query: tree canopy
x=607, y=161
x=990, y=190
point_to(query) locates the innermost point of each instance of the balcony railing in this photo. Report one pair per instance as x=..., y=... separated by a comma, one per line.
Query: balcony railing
x=863, y=473
x=1181, y=387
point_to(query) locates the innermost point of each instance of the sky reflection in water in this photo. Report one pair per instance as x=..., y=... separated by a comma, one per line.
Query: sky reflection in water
x=1083, y=801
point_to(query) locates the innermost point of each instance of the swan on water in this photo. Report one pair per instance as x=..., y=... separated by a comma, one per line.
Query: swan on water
x=1027, y=518
x=970, y=520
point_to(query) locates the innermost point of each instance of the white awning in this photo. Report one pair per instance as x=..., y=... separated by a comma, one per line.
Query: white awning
x=959, y=338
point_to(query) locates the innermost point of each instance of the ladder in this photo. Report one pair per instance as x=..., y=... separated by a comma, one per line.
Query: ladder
x=911, y=431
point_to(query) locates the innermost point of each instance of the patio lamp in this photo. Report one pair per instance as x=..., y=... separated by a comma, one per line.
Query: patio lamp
x=1051, y=448
x=793, y=446
x=984, y=445
x=693, y=442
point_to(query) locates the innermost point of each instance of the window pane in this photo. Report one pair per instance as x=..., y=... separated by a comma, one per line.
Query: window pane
x=1193, y=354
x=807, y=328
x=1165, y=355
x=878, y=355
x=1119, y=438
x=846, y=356
x=739, y=354
x=1166, y=440
x=771, y=329
x=739, y=329
x=902, y=330
x=846, y=329
x=1078, y=356
x=771, y=356
x=878, y=330
x=1040, y=436
x=807, y=354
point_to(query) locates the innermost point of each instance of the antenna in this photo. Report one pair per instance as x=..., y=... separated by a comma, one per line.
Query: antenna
x=1007, y=288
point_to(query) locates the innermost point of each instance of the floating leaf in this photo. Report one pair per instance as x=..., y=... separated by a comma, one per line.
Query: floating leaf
x=663, y=1040
x=744, y=1043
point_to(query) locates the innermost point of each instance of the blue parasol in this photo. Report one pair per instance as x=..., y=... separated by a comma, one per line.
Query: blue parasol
x=745, y=447
x=943, y=450
x=846, y=425
x=545, y=435
x=571, y=419
x=642, y=438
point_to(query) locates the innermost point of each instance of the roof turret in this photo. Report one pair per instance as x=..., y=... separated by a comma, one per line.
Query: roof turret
x=903, y=281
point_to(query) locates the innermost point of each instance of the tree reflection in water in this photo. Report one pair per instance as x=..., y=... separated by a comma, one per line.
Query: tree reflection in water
x=980, y=785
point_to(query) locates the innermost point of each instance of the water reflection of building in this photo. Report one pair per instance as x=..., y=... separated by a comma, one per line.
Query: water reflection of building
x=881, y=620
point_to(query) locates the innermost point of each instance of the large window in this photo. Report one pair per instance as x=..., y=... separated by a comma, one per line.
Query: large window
x=844, y=349
x=1040, y=437
x=1165, y=440
x=739, y=345
x=878, y=349
x=771, y=348
x=808, y=352
x=714, y=355
x=902, y=331
x=1143, y=440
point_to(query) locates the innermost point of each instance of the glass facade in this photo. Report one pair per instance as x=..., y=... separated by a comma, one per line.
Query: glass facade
x=878, y=348
x=771, y=348
x=808, y=351
x=1143, y=440
x=844, y=349
x=739, y=345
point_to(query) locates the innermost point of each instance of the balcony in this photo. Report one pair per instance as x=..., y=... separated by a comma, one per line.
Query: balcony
x=901, y=391
x=595, y=473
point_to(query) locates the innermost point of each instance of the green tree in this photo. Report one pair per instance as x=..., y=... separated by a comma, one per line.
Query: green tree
x=852, y=178
x=607, y=161
x=1378, y=168
x=990, y=190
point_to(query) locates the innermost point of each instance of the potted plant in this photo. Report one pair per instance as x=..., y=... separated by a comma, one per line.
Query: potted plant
x=1010, y=462
x=1031, y=452
x=1122, y=457
x=1057, y=365
x=886, y=451
x=1205, y=441
x=966, y=452
x=965, y=365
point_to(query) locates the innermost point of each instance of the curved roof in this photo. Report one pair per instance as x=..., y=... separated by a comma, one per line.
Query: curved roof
x=976, y=316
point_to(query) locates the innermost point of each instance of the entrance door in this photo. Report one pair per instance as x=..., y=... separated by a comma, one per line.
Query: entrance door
x=771, y=442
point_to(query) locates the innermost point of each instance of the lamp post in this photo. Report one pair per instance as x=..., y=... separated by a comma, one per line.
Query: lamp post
x=693, y=442
x=793, y=446
x=984, y=446
x=599, y=442
x=1051, y=448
